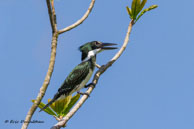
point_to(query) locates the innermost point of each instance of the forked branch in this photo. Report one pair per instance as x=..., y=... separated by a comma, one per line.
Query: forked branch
x=80, y=20
x=55, y=33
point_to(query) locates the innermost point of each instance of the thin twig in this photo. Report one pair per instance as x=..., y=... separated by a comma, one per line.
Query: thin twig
x=50, y=12
x=57, y=118
x=97, y=65
x=95, y=81
x=80, y=20
x=54, y=18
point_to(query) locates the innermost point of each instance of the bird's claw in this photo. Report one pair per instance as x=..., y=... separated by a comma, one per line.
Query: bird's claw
x=90, y=85
x=81, y=93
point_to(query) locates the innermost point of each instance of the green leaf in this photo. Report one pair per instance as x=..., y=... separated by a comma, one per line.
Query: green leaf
x=146, y=10
x=47, y=110
x=59, y=105
x=66, y=103
x=135, y=7
x=71, y=104
x=143, y=4
x=129, y=12
x=138, y=8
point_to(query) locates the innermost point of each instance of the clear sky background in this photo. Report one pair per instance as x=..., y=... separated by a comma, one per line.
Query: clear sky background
x=150, y=87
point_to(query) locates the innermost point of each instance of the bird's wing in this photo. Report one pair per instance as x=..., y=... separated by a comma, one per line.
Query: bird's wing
x=78, y=74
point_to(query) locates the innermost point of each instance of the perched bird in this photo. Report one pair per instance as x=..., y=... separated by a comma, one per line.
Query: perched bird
x=81, y=74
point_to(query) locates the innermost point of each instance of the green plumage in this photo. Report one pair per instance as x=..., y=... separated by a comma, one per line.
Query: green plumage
x=81, y=74
x=78, y=74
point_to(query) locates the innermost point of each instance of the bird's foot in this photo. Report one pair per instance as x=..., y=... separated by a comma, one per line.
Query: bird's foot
x=90, y=85
x=81, y=93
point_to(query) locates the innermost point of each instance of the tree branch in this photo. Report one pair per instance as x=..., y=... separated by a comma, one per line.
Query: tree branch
x=52, y=15
x=55, y=33
x=51, y=64
x=97, y=65
x=54, y=18
x=80, y=20
x=45, y=83
x=102, y=69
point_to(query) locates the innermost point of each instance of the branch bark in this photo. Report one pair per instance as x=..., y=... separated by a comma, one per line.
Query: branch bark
x=52, y=15
x=45, y=83
x=55, y=33
x=80, y=20
x=102, y=69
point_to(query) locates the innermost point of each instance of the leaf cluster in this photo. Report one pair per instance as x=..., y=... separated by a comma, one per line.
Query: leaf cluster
x=136, y=10
x=61, y=107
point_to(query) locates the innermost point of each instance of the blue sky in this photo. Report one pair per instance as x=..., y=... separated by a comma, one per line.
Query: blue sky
x=150, y=87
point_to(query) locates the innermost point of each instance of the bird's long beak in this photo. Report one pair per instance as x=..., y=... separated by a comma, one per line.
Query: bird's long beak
x=104, y=46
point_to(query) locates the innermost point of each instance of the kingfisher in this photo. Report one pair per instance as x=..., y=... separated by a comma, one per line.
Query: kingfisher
x=82, y=73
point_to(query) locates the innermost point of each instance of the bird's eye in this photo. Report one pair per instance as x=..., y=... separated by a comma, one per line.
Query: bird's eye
x=97, y=43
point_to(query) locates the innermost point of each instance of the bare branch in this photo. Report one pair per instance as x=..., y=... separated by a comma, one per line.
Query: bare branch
x=97, y=65
x=55, y=32
x=58, y=119
x=54, y=18
x=52, y=15
x=80, y=20
x=95, y=80
x=45, y=83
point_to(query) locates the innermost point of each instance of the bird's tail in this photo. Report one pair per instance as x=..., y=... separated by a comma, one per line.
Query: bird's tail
x=57, y=95
x=48, y=104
